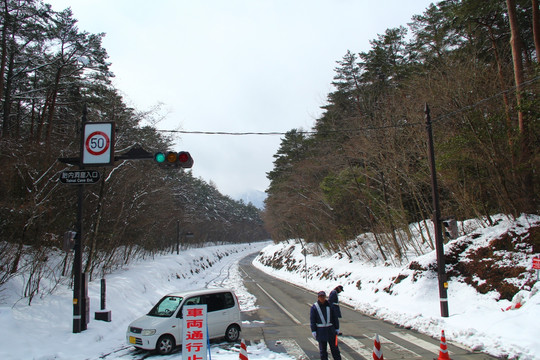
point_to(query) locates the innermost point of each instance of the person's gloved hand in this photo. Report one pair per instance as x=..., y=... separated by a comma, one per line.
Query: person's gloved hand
x=314, y=334
x=339, y=332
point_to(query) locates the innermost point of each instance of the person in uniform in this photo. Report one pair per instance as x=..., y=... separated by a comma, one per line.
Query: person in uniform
x=333, y=299
x=324, y=324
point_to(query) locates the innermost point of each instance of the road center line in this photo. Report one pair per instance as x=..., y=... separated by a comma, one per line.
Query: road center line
x=280, y=306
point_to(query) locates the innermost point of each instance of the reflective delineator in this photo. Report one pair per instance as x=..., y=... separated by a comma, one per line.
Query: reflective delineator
x=377, y=351
x=243, y=351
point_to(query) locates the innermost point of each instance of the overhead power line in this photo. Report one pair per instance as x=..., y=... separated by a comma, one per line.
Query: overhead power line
x=306, y=132
x=356, y=130
x=227, y=132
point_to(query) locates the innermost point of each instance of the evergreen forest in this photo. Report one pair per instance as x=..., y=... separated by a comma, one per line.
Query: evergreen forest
x=50, y=72
x=473, y=67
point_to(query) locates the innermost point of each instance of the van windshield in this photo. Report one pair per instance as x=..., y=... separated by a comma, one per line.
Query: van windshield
x=166, y=306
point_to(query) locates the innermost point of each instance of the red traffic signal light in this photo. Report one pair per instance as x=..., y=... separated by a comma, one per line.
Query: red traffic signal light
x=185, y=160
x=181, y=159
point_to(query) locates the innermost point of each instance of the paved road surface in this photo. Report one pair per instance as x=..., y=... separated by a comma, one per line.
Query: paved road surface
x=282, y=322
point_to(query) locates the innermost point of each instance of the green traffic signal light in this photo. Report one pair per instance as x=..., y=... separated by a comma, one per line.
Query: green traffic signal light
x=159, y=157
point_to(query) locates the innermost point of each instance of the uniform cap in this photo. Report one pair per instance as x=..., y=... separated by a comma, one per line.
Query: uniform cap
x=321, y=293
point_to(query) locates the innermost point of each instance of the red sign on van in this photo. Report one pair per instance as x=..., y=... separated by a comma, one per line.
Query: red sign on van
x=536, y=263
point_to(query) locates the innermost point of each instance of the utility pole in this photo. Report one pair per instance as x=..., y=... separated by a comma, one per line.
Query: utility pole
x=439, y=246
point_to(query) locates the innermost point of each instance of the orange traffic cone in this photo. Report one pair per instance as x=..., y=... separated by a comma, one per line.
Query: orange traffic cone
x=243, y=351
x=377, y=351
x=443, y=352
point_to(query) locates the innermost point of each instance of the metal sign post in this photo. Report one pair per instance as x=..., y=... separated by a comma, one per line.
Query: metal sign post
x=97, y=149
x=78, y=296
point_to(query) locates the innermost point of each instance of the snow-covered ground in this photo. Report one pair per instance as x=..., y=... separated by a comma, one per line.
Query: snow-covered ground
x=43, y=331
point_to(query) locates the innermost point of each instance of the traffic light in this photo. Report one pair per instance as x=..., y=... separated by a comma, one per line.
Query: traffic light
x=185, y=160
x=178, y=159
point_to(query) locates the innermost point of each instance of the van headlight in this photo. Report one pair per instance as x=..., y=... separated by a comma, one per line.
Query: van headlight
x=148, y=332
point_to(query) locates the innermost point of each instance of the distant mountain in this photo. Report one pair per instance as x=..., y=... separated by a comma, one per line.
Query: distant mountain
x=255, y=197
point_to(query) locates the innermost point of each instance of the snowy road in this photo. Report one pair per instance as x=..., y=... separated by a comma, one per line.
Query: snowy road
x=284, y=308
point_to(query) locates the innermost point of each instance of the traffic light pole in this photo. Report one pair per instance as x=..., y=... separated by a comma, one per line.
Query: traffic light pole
x=443, y=284
x=78, y=296
x=98, y=142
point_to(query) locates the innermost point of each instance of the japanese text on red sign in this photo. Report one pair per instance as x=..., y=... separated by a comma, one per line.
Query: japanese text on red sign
x=194, y=344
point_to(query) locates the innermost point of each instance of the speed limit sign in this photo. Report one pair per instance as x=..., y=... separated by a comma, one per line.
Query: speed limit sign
x=98, y=144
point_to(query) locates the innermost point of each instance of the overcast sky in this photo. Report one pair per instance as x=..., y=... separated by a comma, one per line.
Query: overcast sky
x=233, y=66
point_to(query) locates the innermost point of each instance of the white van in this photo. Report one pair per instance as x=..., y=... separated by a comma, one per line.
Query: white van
x=161, y=328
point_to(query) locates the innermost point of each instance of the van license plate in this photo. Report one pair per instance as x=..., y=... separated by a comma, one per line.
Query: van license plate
x=132, y=340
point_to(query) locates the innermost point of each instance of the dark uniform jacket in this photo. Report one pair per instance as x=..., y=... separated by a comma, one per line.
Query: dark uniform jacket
x=326, y=327
x=333, y=300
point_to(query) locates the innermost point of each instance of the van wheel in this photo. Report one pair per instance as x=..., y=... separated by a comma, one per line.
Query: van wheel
x=165, y=344
x=233, y=333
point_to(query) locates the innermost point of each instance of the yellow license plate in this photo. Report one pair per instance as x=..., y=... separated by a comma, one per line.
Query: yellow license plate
x=132, y=340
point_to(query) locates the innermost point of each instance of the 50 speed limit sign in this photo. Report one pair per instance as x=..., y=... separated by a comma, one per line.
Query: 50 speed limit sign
x=98, y=144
